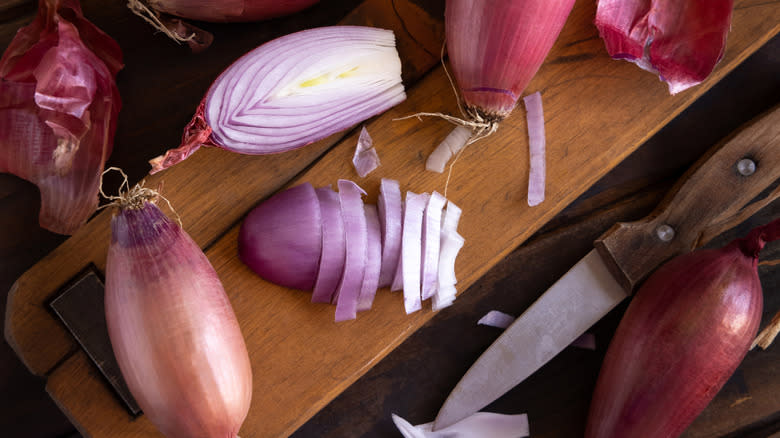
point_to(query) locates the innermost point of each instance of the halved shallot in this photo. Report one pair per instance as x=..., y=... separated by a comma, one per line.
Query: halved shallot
x=295, y=90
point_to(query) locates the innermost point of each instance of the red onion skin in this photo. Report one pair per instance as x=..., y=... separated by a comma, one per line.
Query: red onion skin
x=497, y=46
x=59, y=106
x=173, y=330
x=683, y=335
x=230, y=10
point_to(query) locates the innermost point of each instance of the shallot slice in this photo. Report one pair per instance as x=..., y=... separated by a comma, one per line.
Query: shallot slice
x=451, y=145
x=451, y=243
x=536, y=148
x=281, y=239
x=356, y=237
x=373, y=260
x=334, y=247
x=389, y=205
x=411, y=250
x=365, y=159
x=497, y=319
x=431, y=241
x=478, y=425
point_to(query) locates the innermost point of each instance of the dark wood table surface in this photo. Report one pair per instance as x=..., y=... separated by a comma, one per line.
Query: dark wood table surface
x=414, y=379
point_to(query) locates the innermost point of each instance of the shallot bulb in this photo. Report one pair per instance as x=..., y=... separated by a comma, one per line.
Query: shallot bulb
x=683, y=335
x=171, y=325
x=59, y=105
x=495, y=48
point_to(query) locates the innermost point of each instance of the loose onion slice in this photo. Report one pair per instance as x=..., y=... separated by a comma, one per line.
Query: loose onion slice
x=451, y=243
x=390, y=209
x=365, y=159
x=373, y=260
x=411, y=250
x=356, y=237
x=451, y=145
x=295, y=90
x=333, y=247
x=479, y=425
x=281, y=239
x=536, y=148
x=431, y=241
x=497, y=319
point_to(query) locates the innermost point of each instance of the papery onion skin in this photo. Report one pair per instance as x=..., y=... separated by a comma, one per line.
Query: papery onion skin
x=59, y=105
x=281, y=239
x=230, y=10
x=683, y=335
x=682, y=41
x=497, y=46
x=173, y=330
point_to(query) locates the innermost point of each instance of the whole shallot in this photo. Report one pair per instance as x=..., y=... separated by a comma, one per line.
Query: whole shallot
x=171, y=325
x=684, y=334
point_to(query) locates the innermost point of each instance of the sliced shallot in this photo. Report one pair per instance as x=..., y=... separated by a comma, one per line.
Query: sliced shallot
x=333, y=247
x=365, y=159
x=431, y=242
x=411, y=249
x=281, y=239
x=356, y=238
x=373, y=260
x=451, y=145
x=295, y=90
x=451, y=243
x=479, y=425
x=536, y=148
x=389, y=205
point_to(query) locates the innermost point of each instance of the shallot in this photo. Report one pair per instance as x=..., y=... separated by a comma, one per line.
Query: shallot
x=295, y=90
x=495, y=48
x=680, y=41
x=166, y=15
x=59, y=105
x=332, y=242
x=685, y=332
x=172, y=328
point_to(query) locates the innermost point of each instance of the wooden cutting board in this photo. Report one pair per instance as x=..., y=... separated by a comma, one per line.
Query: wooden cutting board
x=597, y=112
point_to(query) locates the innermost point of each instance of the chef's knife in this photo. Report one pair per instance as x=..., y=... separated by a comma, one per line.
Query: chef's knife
x=726, y=183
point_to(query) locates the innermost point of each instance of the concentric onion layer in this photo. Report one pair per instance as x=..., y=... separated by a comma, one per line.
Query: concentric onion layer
x=303, y=87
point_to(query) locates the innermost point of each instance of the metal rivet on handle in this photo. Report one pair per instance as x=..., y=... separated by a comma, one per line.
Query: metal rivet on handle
x=746, y=167
x=664, y=232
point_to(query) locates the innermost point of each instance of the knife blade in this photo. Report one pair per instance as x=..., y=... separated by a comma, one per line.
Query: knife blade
x=726, y=183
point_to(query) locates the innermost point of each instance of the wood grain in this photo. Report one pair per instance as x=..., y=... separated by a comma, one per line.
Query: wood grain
x=710, y=194
x=598, y=112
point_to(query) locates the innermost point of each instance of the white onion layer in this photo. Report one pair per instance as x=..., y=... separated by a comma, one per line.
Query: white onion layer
x=431, y=243
x=356, y=237
x=333, y=247
x=373, y=260
x=451, y=145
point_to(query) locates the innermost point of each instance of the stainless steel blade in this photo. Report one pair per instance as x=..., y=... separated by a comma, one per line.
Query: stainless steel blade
x=574, y=303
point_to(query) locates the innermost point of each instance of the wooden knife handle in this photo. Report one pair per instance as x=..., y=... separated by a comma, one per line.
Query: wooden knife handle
x=703, y=203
